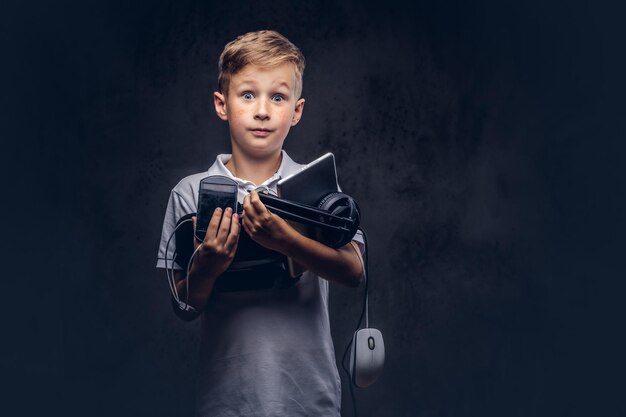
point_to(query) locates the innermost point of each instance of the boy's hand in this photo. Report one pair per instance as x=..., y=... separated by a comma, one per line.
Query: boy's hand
x=219, y=244
x=264, y=227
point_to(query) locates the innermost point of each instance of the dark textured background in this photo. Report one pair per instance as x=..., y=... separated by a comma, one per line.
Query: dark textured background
x=483, y=141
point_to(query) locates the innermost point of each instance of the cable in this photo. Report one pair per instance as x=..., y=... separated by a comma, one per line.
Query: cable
x=170, y=271
x=171, y=274
x=366, y=304
x=188, y=269
x=364, y=312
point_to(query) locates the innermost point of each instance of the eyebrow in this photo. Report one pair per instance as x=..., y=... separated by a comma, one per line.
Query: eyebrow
x=253, y=82
x=283, y=83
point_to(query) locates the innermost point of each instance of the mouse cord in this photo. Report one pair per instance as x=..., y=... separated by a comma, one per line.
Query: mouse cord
x=364, y=312
x=367, y=281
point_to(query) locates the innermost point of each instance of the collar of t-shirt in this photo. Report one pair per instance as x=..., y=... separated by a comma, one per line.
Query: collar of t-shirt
x=287, y=166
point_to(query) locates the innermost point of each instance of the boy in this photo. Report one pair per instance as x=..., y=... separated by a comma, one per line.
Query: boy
x=264, y=352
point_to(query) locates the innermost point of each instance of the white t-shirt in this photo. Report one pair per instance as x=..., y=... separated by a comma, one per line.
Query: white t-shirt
x=265, y=352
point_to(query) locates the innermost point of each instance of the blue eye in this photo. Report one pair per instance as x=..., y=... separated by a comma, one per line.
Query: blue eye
x=278, y=98
x=248, y=96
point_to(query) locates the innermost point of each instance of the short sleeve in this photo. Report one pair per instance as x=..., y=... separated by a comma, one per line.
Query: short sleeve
x=358, y=238
x=177, y=207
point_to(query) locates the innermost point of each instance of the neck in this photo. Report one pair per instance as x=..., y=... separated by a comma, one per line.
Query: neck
x=257, y=170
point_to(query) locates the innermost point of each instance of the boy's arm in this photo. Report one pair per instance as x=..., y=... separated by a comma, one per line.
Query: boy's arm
x=211, y=260
x=341, y=265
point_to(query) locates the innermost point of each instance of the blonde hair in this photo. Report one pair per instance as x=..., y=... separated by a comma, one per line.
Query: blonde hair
x=265, y=48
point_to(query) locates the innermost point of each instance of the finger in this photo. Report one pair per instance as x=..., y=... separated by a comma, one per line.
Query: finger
x=213, y=225
x=248, y=207
x=222, y=233
x=233, y=236
x=263, y=215
x=246, y=223
x=256, y=202
x=244, y=218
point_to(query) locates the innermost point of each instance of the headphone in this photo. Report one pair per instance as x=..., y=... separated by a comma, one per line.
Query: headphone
x=335, y=220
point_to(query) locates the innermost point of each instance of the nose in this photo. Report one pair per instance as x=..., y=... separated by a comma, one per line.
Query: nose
x=261, y=111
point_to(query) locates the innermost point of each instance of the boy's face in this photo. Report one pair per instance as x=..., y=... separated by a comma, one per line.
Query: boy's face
x=260, y=108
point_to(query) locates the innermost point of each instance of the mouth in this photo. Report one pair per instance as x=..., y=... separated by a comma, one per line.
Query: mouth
x=260, y=132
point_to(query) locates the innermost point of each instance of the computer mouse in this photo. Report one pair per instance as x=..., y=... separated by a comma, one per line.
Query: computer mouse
x=367, y=357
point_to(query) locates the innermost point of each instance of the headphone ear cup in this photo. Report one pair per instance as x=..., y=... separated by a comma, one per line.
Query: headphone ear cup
x=340, y=205
x=329, y=200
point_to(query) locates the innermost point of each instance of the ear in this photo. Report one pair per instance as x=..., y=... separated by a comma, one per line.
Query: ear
x=297, y=113
x=220, y=105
